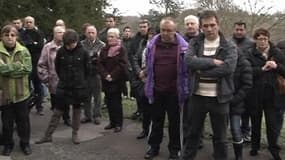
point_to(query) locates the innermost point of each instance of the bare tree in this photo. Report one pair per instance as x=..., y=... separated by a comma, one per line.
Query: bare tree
x=170, y=7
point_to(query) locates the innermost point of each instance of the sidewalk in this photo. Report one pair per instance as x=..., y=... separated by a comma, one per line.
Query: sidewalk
x=98, y=144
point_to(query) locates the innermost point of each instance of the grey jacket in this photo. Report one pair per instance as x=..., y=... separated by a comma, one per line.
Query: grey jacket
x=93, y=49
x=204, y=66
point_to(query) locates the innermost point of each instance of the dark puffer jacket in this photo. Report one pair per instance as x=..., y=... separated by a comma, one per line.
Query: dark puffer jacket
x=262, y=78
x=72, y=68
x=243, y=84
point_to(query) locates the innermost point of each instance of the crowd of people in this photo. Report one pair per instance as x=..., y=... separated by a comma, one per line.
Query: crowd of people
x=234, y=80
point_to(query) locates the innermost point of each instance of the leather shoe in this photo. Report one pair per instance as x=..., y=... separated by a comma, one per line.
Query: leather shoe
x=275, y=154
x=40, y=112
x=117, y=129
x=135, y=115
x=142, y=135
x=44, y=139
x=109, y=126
x=173, y=156
x=253, y=152
x=85, y=120
x=7, y=150
x=97, y=121
x=26, y=149
x=151, y=153
x=67, y=122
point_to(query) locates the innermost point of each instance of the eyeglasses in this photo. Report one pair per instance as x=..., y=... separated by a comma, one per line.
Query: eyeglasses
x=9, y=35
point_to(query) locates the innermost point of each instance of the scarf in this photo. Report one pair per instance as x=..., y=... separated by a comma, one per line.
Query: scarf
x=114, y=48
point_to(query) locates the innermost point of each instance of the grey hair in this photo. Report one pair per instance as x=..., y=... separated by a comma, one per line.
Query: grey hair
x=116, y=31
x=191, y=17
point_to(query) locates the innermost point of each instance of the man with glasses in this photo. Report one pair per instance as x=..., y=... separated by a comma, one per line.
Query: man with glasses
x=211, y=62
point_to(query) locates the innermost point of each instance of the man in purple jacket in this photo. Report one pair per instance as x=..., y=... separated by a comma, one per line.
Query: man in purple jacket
x=166, y=86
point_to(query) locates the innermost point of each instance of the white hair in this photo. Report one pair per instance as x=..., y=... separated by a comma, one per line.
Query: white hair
x=191, y=17
x=58, y=29
x=30, y=18
x=59, y=22
x=116, y=31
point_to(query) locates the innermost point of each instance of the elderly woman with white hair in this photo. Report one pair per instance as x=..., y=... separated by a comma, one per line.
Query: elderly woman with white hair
x=112, y=65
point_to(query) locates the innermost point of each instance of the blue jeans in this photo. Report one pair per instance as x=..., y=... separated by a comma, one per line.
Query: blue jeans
x=235, y=127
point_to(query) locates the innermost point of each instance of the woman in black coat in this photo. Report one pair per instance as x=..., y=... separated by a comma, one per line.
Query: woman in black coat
x=243, y=84
x=112, y=65
x=72, y=67
x=267, y=63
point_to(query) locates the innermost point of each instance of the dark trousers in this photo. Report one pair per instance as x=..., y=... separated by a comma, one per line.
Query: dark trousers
x=16, y=113
x=280, y=119
x=146, y=114
x=37, y=89
x=266, y=104
x=94, y=91
x=125, y=90
x=115, y=109
x=165, y=103
x=280, y=109
x=198, y=107
x=66, y=109
x=272, y=132
x=235, y=128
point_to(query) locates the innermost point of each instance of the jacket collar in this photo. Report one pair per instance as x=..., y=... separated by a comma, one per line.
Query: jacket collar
x=18, y=48
x=182, y=44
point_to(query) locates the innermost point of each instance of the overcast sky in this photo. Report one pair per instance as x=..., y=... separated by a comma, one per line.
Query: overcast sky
x=136, y=7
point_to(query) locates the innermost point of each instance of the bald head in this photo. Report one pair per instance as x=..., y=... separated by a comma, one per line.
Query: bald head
x=29, y=22
x=168, y=21
x=167, y=30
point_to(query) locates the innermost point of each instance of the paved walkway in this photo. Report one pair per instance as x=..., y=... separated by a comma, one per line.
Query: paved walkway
x=98, y=144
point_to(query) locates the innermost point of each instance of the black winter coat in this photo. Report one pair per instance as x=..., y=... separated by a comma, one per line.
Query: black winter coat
x=243, y=84
x=33, y=39
x=72, y=68
x=262, y=79
x=115, y=66
x=134, y=47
